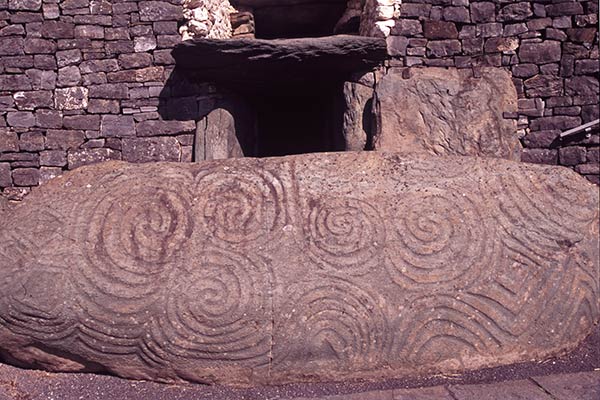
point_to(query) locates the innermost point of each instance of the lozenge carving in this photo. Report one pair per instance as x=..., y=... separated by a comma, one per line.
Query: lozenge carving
x=302, y=268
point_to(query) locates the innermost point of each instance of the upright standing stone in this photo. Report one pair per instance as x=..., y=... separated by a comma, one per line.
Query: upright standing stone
x=228, y=131
x=447, y=111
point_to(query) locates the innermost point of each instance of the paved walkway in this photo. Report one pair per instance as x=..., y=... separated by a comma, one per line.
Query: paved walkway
x=18, y=384
x=578, y=386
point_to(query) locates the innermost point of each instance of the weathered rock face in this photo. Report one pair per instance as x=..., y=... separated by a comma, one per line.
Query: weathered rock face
x=358, y=114
x=287, y=60
x=447, y=111
x=315, y=267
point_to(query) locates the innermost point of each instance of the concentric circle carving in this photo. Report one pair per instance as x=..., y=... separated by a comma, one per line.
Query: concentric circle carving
x=133, y=234
x=36, y=307
x=445, y=330
x=344, y=235
x=558, y=216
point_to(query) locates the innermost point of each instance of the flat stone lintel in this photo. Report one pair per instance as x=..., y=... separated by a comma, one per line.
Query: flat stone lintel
x=240, y=60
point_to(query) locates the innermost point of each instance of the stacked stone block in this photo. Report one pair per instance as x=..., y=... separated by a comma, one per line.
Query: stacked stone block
x=550, y=47
x=82, y=81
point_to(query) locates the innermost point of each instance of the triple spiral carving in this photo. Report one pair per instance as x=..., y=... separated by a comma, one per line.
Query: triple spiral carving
x=188, y=273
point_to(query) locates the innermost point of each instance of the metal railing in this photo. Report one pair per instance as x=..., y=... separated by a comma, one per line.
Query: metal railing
x=581, y=128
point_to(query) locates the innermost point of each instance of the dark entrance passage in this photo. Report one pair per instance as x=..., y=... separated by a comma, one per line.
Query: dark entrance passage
x=277, y=97
x=297, y=121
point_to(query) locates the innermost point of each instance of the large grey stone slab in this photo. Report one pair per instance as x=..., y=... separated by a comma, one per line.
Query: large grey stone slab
x=447, y=112
x=301, y=268
x=305, y=59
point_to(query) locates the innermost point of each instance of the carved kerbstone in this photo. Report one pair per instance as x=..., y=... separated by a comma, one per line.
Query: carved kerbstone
x=314, y=267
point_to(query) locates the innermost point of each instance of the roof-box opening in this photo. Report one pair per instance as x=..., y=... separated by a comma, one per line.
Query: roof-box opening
x=277, y=19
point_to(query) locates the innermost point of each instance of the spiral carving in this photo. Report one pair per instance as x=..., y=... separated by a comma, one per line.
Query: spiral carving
x=275, y=271
x=344, y=235
x=441, y=238
x=241, y=206
x=134, y=232
x=219, y=310
x=140, y=229
x=330, y=324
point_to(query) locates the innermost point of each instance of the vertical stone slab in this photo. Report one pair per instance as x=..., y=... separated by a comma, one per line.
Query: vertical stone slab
x=359, y=119
x=216, y=137
x=228, y=131
x=447, y=112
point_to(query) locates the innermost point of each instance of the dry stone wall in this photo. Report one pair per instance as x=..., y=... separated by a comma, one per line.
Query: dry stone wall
x=86, y=81
x=550, y=47
x=83, y=81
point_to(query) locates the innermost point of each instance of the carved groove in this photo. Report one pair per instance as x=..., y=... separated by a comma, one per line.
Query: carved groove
x=331, y=324
x=240, y=207
x=344, y=235
x=441, y=238
x=281, y=270
x=220, y=310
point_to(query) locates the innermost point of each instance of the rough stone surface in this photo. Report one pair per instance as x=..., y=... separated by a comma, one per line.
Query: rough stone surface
x=544, y=52
x=117, y=126
x=445, y=111
x=440, y=30
x=160, y=128
x=358, y=115
x=25, y=177
x=80, y=157
x=73, y=98
x=253, y=271
x=5, y=176
x=282, y=58
x=21, y=119
x=159, y=11
x=216, y=136
x=9, y=140
x=141, y=150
